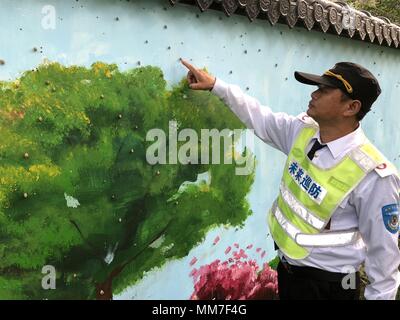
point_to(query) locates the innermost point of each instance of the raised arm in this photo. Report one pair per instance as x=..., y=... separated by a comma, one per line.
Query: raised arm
x=276, y=129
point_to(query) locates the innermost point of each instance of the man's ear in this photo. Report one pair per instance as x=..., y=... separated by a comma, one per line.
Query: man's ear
x=353, y=108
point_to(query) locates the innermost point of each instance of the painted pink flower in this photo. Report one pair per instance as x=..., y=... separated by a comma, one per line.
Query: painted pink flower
x=193, y=273
x=234, y=281
x=216, y=240
x=249, y=246
x=228, y=250
x=193, y=261
x=239, y=255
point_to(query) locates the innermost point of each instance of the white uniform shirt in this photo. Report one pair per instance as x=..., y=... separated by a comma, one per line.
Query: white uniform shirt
x=362, y=209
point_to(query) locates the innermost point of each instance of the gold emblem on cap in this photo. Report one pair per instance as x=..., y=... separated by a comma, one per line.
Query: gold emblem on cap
x=347, y=85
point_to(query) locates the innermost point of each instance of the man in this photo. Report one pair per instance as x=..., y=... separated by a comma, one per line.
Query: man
x=338, y=201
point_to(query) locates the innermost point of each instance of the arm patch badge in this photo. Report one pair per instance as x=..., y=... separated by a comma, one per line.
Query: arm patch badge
x=390, y=215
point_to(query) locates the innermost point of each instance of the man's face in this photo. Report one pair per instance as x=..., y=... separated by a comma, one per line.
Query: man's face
x=327, y=104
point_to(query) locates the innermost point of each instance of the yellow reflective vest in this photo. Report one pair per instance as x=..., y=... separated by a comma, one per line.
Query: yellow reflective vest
x=309, y=195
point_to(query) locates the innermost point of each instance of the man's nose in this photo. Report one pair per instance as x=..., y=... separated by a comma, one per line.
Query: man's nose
x=314, y=95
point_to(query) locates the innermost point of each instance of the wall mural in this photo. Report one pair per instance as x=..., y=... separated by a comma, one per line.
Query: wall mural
x=95, y=203
x=77, y=193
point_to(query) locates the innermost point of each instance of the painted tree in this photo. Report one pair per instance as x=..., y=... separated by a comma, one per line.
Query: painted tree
x=77, y=193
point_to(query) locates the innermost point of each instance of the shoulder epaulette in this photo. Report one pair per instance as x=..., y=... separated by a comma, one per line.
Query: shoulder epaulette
x=386, y=169
x=303, y=117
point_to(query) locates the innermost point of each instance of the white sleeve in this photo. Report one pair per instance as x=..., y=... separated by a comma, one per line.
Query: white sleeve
x=276, y=129
x=371, y=198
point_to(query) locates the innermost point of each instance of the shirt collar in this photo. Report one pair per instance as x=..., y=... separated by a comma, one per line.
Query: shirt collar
x=344, y=144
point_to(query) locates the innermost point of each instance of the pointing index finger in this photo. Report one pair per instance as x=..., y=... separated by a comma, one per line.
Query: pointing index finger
x=189, y=66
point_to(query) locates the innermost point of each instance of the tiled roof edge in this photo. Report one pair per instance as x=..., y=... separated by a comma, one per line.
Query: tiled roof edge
x=322, y=15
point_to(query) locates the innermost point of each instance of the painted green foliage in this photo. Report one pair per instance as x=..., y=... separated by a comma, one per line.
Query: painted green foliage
x=79, y=134
x=381, y=8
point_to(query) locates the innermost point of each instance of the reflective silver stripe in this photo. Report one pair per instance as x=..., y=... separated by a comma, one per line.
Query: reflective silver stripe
x=328, y=239
x=363, y=160
x=290, y=229
x=325, y=239
x=298, y=208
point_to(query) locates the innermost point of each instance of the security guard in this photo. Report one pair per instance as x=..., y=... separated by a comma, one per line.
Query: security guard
x=338, y=202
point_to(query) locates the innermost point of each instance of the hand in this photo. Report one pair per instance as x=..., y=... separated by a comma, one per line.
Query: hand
x=198, y=79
